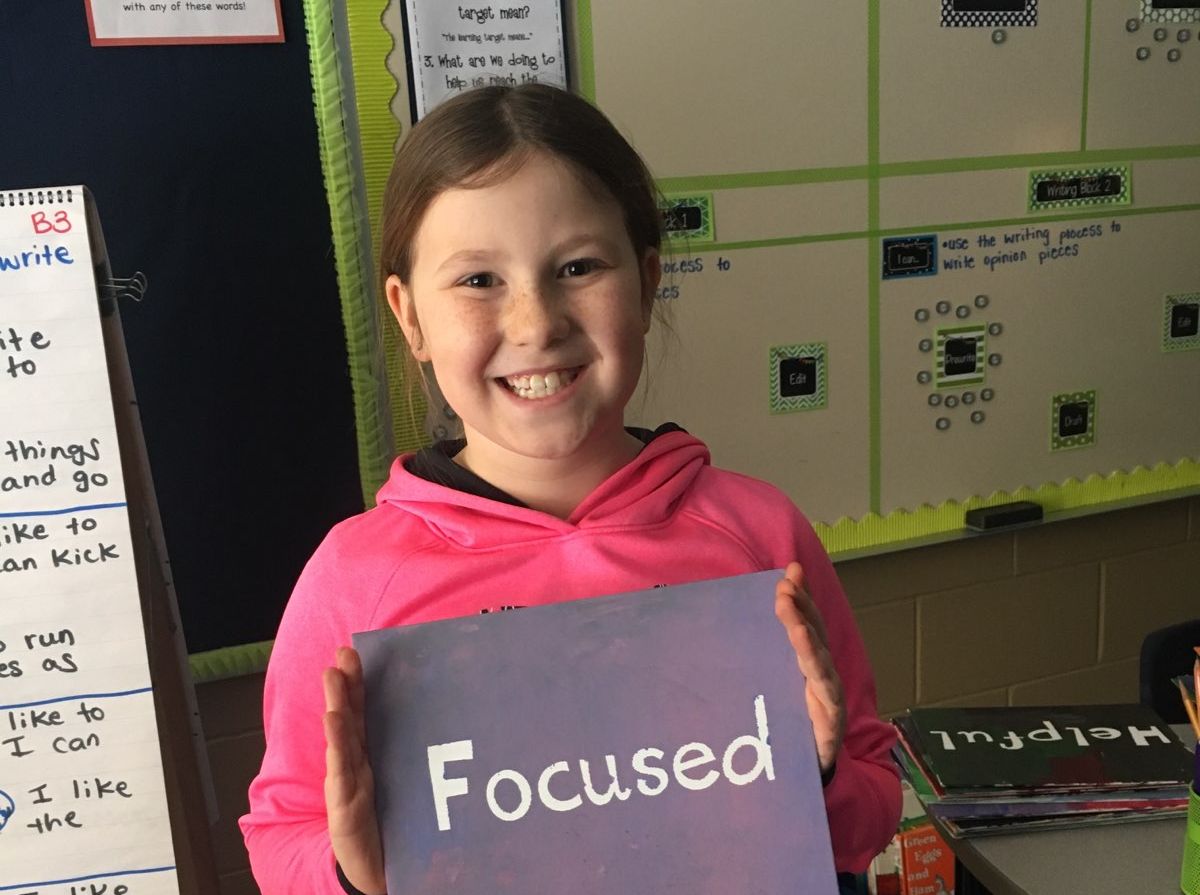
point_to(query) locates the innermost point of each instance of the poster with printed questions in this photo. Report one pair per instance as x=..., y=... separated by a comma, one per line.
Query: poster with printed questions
x=83, y=805
x=455, y=47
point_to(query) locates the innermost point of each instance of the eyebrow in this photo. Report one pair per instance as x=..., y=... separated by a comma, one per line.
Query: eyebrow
x=466, y=255
x=569, y=245
x=575, y=242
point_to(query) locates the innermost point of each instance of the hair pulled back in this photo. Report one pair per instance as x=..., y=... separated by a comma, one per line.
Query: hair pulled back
x=482, y=136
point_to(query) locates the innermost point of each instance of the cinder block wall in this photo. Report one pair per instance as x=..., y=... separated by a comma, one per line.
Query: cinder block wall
x=1052, y=614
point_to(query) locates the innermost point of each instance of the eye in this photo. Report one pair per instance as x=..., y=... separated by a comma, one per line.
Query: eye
x=580, y=267
x=478, y=281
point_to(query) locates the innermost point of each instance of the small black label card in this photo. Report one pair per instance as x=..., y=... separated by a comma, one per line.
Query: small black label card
x=797, y=376
x=1072, y=419
x=909, y=256
x=1185, y=321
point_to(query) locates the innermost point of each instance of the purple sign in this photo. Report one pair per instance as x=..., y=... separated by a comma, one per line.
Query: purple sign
x=643, y=743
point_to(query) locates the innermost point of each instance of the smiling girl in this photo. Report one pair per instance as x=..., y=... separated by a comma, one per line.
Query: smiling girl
x=520, y=257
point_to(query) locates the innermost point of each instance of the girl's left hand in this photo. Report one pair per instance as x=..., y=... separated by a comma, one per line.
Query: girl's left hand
x=823, y=688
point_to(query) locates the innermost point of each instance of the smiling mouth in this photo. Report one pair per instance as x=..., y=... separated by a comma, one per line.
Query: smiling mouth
x=537, y=385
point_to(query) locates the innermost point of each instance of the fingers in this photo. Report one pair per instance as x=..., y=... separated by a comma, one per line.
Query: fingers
x=349, y=784
x=823, y=686
x=344, y=726
x=340, y=776
x=791, y=590
x=349, y=663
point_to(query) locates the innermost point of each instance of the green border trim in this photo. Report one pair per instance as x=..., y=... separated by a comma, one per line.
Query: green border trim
x=339, y=166
x=232, y=661
x=587, y=50
x=874, y=531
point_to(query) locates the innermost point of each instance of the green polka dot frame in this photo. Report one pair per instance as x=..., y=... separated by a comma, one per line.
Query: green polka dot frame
x=1169, y=14
x=1023, y=15
x=1073, y=420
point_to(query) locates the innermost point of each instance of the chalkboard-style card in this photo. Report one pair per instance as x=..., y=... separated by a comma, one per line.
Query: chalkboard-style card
x=989, y=13
x=1181, y=322
x=1080, y=187
x=909, y=256
x=1072, y=420
x=960, y=355
x=647, y=742
x=688, y=219
x=799, y=377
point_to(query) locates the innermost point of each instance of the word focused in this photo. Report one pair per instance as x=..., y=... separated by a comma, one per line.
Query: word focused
x=646, y=764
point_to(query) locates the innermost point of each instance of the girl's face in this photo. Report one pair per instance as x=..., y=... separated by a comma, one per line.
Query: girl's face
x=528, y=298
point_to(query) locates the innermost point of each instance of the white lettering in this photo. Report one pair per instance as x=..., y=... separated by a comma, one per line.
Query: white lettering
x=523, y=790
x=682, y=763
x=545, y=795
x=1141, y=735
x=443, y=787
x=762, y=750
x=614, y=786
x=639, y=765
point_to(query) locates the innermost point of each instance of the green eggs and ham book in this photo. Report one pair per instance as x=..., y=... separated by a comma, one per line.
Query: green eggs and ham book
x=991, y=770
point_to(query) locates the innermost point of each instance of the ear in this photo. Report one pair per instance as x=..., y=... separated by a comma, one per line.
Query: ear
x=651, y=276
x=404, y=309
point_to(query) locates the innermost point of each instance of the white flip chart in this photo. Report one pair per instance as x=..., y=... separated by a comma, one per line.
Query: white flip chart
x=83, y=807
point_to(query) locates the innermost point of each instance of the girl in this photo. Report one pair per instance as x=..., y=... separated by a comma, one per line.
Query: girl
x=520, y=256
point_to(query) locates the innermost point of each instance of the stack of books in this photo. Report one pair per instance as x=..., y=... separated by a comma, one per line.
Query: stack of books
x=992, y=770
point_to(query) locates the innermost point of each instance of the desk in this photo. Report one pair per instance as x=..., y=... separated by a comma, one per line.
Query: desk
x=1141, y=857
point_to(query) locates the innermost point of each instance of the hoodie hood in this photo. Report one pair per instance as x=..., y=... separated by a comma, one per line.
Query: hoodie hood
x=644, y=492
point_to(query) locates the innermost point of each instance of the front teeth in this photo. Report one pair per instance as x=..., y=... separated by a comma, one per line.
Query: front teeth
x=539, y=386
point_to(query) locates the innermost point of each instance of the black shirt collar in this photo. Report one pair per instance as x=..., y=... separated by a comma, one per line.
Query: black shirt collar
x=436, y=464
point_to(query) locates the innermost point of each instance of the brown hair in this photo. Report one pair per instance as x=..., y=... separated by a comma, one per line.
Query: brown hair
x=481, y=136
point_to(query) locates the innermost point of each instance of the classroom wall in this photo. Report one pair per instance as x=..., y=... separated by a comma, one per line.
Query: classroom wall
x=1046, y=615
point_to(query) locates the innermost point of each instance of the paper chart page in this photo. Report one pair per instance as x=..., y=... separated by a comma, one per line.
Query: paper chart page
x=82, y=801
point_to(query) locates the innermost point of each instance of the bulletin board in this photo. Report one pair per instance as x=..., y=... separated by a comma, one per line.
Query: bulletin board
x=942, y=253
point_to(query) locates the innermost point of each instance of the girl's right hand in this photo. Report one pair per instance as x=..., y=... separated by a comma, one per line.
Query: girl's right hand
x=349, y=784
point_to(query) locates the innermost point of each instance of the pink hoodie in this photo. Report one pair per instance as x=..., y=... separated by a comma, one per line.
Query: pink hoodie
x=429, y=552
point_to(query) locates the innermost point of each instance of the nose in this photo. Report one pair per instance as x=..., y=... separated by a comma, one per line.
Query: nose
x=535, y=315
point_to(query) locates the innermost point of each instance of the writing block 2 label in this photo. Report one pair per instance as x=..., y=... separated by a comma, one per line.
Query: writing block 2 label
x=1079, y=187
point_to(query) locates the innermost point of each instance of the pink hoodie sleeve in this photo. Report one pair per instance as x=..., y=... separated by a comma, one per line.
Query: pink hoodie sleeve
x=286, y=831
x=863, y=798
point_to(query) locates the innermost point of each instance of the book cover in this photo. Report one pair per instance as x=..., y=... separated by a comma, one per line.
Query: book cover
x=649, y=742
x=1043, y=749
x=928, y=862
